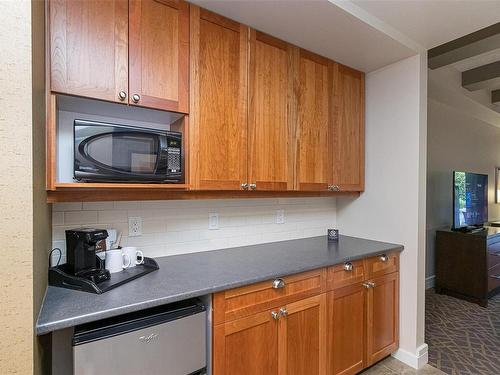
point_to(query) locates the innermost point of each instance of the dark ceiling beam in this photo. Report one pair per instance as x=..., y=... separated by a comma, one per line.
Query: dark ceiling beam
x=470, y=45
x=482, y=77
x=495, y=97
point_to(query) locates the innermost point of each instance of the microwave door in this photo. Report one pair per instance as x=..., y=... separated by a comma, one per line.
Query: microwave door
x=121, y=155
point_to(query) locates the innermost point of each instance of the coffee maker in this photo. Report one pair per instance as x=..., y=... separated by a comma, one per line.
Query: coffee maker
x=81, y=247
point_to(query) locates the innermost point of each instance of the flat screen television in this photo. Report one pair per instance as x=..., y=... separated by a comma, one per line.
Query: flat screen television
x=470, y=199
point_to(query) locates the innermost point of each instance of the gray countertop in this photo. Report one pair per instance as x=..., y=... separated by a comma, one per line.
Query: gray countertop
x=196, y=274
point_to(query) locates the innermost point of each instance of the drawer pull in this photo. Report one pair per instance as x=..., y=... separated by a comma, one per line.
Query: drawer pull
x=278, y=284
x=283, y=312
x=495, y=276
x=369, y=284
x=275, y=315
x=348, y=266
x=384, y=258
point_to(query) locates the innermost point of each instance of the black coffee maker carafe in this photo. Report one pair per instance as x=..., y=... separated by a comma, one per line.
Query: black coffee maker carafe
x=81, y=258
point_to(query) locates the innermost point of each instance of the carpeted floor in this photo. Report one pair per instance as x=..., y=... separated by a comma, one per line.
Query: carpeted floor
x=463, y=338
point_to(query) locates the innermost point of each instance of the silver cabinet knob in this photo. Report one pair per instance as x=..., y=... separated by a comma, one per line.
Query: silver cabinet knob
x=122, y=95
x=136, y=98
x=283, y=312
x=371, y=284
x=384, y=258
x=335, y=187
x=330, y=187
x=244, y=186
x=278, y=284
x=275, y=315
x=366, y=285
x=348, y=266
x=252, y=186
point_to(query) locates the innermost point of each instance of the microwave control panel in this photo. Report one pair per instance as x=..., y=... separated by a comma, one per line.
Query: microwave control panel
x=174, y=155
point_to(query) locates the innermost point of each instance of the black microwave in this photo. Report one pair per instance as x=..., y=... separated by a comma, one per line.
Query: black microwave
x=105, y=152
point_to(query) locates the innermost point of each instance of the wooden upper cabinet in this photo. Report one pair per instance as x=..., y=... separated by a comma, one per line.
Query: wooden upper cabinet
x=346, y=330
x=218, y=109
x=159, y=54
x=271, y=113
x=302, y=337
x=89, y=48
x=314, y=169
x=247, y=346
x=382, y=317
x=348, y=104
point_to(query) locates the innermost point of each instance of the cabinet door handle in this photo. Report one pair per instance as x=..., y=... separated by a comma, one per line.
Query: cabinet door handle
x=122, y=95
x=366, y=285
x=283, y=312
x=384, y=258
x=278, y=284
x=136, y=98
x=348, y=266
x=252, y=186
x=371, y=284
x=496, y=276
x=244, y=186
x=275, y=315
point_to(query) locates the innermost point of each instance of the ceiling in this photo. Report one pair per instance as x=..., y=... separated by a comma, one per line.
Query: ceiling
x=434, y=22
x=318, y=26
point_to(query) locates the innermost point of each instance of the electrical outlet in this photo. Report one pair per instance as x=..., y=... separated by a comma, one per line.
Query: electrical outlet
x=280, y=216
x=213, y=220
x=134, y=226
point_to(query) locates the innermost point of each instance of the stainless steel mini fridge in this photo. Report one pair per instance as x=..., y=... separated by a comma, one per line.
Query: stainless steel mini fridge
x=168, y=340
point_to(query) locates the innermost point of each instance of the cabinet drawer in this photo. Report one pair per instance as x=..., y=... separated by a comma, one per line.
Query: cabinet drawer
x=494, y=278
x=383, y=264
x=346, y=274
x=235, y=303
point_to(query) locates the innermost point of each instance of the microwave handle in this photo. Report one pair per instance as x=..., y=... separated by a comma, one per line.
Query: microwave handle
x=161, y=163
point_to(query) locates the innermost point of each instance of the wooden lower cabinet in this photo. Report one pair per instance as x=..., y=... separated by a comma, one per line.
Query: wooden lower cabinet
x=342, y=330
x=346, y=330
x=246, y=346
x=292, y=342
x=382, y=317
x=302, y=337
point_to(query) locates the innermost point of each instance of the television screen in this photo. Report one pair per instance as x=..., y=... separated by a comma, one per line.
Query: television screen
x=470, y=199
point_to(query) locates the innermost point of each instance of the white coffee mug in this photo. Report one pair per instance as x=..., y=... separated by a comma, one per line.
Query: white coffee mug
x=116, y=261
x=133, y=253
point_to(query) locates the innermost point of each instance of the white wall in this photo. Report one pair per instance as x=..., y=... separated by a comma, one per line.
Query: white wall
x=393, y=206
x=176, y=227
x=456, y=142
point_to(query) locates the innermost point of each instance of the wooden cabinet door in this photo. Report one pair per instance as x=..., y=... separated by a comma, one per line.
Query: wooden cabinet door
x=247, y=346
x=218, y=109
x=159, y=54
x=271, y=113
x=89, y=48
x=302, y=337
x=348, y=140
x=314, y=168
x=346, y=330
x=382, y=317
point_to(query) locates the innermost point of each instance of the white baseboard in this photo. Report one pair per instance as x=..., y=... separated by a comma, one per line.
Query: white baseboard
x=430, y=281
x=417, y=360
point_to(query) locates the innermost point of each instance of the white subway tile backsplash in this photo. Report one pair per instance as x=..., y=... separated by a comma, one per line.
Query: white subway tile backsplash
x=67, y=206
x=112, y=216
x=57, y=218
x=176, y=227
x=80, y=217
x=94, y=206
